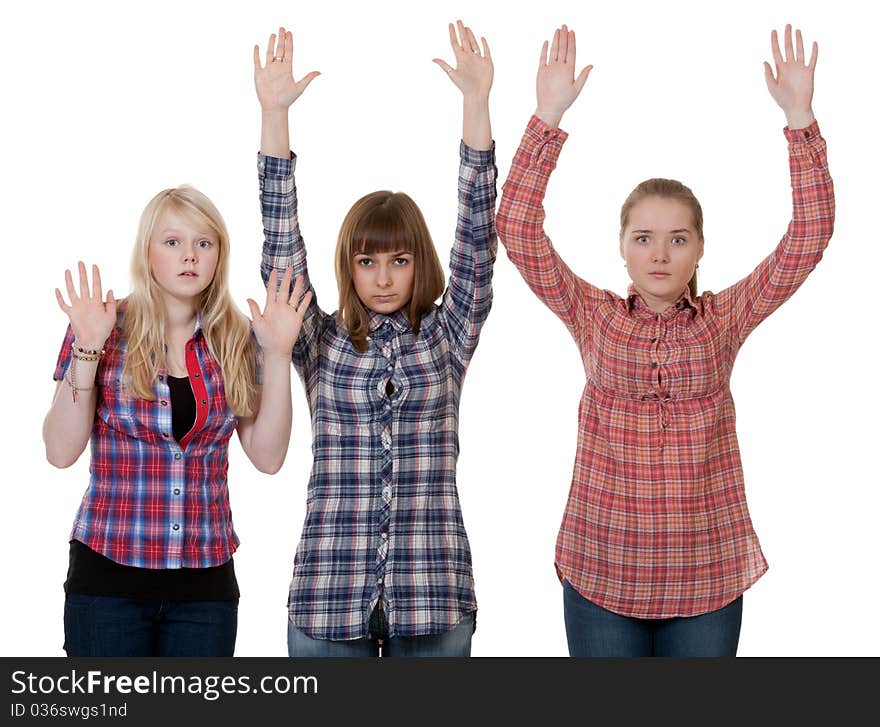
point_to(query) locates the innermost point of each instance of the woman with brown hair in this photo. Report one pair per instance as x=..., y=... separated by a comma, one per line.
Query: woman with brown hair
x=384, y=559
x=656, y=546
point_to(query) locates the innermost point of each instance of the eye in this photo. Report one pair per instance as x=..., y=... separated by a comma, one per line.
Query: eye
x=679, y=240
x=643, y=239
x=172, y=242
x=401, y=261
x=205, y=244
x=363, y=261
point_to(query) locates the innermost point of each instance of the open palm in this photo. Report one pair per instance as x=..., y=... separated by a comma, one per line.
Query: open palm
x=276, y=88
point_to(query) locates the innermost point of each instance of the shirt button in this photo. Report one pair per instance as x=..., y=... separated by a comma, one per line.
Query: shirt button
x=165, y=434
x=204, y=401
x=175, y=527
x=379, y=581
x=654, y=364
x=176, y=490
x=386, y=492
x=198, y=376
x=177, y=455
x=191, y=347
x=384, y=536
x=163, y=402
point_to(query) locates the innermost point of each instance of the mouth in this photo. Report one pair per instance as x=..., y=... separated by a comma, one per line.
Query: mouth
x=659, y=276
x=188, y=274
x=384, y=298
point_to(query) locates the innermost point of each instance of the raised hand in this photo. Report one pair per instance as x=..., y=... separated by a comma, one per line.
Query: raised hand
x=278, y=326
x=276, y=89
x=474, y=71
x=556, y=85
x=792, y=86
x=91, y=318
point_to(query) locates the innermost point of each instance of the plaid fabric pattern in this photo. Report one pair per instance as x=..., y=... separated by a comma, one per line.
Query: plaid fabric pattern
x=151, y=502
x=383, y=517
x=656, y=523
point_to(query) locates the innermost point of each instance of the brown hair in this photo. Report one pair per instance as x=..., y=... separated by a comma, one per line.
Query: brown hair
x=669, y=189
x=386, y=222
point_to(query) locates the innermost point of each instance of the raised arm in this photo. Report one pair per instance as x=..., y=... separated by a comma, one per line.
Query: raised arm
x=265, y=436
x=521, y=213
x=468, y=296
x=68, y=425
x=756, y=296
x=283, y=245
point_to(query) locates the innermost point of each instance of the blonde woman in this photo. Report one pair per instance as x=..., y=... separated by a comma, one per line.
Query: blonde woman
x=158, y=383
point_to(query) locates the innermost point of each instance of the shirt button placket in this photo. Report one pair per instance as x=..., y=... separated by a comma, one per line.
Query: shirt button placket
x=387, y=477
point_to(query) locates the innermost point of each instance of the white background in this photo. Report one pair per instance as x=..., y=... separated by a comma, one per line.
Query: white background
x=105, y=104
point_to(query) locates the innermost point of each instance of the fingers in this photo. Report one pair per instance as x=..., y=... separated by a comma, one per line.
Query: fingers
x=777, y=55
x=71, y=291
x=814, y=55
x=279, y=48
x=83, y=281
x=270, y=49
x=543, y=62
x=61, y=304
x=768, y=76
x=288, y=48
x=304, y=305
x=96, y=284
x=486, y=52
x=297, y=291
x=472, y=40
x=111, y=302
x=789, y=50
x=257, y=65
x=306, y=80
x=443, y=64
x=284, y=291
x=554, y=48
x=453, y=39
x=572, y=49
x=581, y=80
x=799, y=46
x=255, y=310
x=563, y=43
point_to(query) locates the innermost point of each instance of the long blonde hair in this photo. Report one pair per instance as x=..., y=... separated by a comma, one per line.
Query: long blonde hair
x=386, y=222
x=225, y=327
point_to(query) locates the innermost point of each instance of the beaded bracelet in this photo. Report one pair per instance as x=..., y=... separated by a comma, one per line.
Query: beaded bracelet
x=88, y=351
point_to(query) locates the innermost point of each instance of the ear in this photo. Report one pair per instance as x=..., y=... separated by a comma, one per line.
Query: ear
x=700, y=255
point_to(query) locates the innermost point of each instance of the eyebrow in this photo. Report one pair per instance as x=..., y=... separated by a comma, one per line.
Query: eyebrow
x=680, y=229
x=172, y=231
x=393, y=254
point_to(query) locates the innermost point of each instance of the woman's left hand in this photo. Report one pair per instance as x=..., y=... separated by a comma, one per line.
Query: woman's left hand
x=473, y=70
x=278, y=326
x=792, y=86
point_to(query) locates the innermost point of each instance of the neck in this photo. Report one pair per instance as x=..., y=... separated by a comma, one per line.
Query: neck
x=658, y=305
x=179, y=313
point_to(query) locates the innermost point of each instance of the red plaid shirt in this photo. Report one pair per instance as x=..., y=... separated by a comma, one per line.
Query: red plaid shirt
x=153, y=502
x=656, y=523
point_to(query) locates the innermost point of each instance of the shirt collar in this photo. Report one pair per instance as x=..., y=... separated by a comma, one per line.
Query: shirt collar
x=634, y=301
x=398, y=320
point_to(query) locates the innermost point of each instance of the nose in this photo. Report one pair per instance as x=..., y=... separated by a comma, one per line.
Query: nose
x=659, y=253
x=383, y=278
x=189, y=255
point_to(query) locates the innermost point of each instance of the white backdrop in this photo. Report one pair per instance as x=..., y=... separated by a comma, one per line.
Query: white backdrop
x=106, y=103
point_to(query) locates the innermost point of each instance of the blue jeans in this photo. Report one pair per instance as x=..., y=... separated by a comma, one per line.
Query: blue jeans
x=456, y=642
x=595, y=631
x=109, y=626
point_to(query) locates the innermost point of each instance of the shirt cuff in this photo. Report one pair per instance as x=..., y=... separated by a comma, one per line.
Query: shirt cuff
x=805, y=134
x=477, y=157
x=540, y=132
x=275, y=166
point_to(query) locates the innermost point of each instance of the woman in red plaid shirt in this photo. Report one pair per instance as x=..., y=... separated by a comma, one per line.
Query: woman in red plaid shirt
x=158, y=384
x=656, y=546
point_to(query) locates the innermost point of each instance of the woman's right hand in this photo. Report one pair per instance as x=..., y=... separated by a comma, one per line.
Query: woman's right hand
x=556, y=85
x=276, y=89
x=91, y=318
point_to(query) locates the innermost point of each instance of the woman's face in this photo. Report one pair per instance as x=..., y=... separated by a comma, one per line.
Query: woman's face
x=661, y=249
x=383, y=280
x=183, y=255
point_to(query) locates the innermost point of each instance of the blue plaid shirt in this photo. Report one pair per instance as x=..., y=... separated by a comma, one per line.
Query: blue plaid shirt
x=383, y=518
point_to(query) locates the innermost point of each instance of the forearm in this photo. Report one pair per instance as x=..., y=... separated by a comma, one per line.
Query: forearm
x=69, y=423
x=269, y=436
x=476, y=126
x=275, y=134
